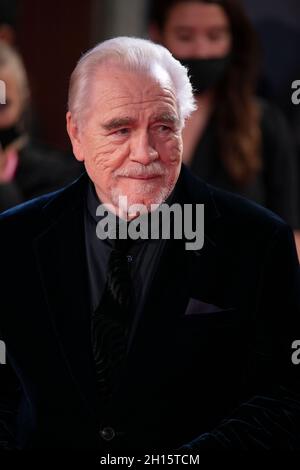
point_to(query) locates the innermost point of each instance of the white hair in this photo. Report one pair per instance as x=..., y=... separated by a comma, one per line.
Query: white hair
x=134, y=54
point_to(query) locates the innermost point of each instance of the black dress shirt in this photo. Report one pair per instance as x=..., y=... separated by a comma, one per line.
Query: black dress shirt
x=142, y=256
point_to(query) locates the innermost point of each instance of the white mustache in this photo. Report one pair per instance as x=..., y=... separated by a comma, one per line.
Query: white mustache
x=153, y=169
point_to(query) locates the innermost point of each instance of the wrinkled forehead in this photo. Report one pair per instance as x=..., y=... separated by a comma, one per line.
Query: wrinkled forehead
x=112, y=76
x=115, y=89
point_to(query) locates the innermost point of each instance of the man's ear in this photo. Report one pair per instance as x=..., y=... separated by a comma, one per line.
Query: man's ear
x=74, y=134
x=154, y=33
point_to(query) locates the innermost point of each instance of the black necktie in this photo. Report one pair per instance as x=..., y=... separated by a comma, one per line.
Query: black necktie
x=111, y=322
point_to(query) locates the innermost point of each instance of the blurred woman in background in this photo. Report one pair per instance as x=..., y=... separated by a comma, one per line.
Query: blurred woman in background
x=27, y=169
x=232, y=140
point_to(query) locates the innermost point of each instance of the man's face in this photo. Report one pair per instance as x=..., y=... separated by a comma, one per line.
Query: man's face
x=131, y=140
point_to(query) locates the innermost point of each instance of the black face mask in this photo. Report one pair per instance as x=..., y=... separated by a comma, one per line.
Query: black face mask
x=205, y=73
x=8, y=135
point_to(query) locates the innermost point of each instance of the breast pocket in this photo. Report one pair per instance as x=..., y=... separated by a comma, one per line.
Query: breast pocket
x=202, y=313
x=212, y=341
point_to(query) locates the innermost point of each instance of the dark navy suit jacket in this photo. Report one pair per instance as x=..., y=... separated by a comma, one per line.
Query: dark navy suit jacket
x=210, y=356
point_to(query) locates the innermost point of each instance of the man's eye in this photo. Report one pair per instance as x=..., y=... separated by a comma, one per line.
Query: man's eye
x=163, y=128
x=123, y=131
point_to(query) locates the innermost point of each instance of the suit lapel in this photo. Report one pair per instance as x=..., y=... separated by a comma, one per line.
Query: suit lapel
x=174, y=278
x=61, y=259
x=156, y=333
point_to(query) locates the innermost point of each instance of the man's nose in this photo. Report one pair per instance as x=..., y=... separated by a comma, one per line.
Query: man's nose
x=143, y=149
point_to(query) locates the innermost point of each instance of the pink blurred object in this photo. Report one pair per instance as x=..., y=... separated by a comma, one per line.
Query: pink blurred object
x=9, y=170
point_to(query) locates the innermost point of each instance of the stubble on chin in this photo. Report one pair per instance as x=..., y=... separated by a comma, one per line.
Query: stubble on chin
x=146, y=194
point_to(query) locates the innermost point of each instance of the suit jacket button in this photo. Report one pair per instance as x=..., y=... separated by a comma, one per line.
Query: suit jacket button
x=107, y=433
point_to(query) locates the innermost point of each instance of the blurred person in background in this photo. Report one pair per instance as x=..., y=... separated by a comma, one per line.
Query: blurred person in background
x=8, y=19
x=233, y=140
x=27, y=169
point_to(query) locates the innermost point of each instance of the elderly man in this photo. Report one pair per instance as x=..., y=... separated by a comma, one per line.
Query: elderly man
x=132, y=345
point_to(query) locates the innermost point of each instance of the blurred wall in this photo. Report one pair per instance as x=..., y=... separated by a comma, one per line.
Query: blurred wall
x=118, y=18
x=51, y=36
x=278, y=25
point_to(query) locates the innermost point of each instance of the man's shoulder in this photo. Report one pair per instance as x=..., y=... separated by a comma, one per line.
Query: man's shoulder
x=30, y=216
x=232, y=210
x=244, y=210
